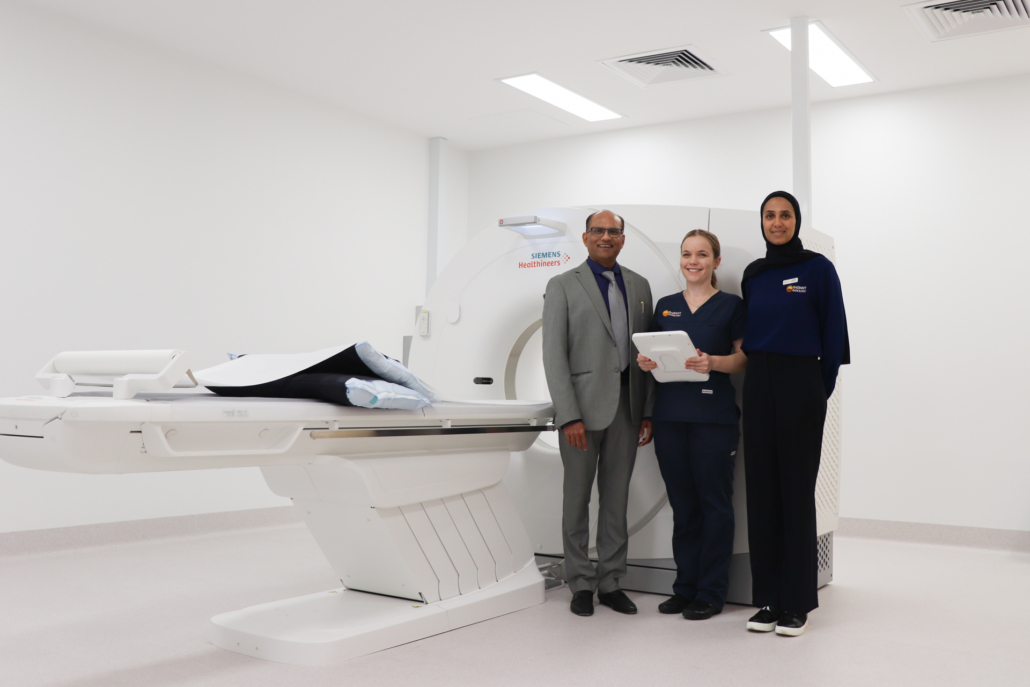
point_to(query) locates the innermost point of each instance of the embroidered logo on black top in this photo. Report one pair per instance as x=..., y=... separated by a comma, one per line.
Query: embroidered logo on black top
x=669, y=313
x=797, y=289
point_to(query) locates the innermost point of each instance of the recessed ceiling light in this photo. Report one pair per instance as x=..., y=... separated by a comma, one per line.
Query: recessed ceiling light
x=827, y=57
x=559, y=96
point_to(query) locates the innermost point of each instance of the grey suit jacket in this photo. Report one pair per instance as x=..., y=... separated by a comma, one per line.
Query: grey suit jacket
x=581, y=359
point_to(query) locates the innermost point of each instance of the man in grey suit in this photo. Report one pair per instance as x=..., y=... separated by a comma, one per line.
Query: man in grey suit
x=602, y=403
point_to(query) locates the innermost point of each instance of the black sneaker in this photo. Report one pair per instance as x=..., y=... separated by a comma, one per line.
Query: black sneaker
x=674, y=604
x=765, y=620
x=583, y=603
x=700, y=610
x=792, y=624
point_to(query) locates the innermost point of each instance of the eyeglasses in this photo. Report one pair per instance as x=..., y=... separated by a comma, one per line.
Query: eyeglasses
x=599, y=231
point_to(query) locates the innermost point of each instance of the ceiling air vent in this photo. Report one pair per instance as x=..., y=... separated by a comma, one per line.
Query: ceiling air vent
x=667, y=66
x=943, y=20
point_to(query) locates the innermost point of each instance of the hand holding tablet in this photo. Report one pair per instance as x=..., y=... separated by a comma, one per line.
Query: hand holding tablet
x=670, y=352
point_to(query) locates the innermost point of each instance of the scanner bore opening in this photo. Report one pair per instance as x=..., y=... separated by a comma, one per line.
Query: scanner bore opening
x=524, y=375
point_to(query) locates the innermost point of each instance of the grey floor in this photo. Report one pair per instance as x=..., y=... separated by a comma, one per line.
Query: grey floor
x=136, y=614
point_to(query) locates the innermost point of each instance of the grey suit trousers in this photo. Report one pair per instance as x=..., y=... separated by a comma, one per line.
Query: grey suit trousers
x=610, y=455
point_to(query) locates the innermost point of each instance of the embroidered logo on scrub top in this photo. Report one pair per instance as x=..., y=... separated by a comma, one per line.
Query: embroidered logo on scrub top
x=669, y=313
x=797, y=289
x=707, y=391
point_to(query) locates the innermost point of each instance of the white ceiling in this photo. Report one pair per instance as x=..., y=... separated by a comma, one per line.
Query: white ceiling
x=431, y=66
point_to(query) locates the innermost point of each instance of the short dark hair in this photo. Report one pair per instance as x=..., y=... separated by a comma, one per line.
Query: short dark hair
x=621, y=221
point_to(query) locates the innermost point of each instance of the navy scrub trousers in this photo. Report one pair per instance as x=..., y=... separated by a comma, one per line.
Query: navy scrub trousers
x=697, y=461
x=784, y=411
x=696, y=434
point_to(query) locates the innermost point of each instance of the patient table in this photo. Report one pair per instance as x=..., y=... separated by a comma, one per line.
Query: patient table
x=408, y=506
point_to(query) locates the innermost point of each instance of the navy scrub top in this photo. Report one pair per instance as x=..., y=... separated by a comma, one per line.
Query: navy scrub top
x=720, y=321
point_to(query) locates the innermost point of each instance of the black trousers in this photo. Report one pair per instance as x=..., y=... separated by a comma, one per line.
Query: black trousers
x=697, y=461
x=784, y=411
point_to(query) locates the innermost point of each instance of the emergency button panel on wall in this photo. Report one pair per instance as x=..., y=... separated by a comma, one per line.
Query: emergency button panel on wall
x=423, y=323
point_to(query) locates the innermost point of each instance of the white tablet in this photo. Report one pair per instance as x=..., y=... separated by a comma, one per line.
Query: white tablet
x=670, y=350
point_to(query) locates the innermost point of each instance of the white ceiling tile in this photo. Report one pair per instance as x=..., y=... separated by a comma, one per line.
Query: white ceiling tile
x=433, y=67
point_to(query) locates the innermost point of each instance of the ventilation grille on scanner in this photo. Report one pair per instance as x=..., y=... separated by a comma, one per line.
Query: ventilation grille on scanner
x=824, y=552
x=943, y=20
x=827, y=485
x=668, y=66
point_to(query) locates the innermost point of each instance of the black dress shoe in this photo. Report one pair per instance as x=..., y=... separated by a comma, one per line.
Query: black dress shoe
x=583, y=603
x=618, y=602
x=700, y=610
x=674, y=604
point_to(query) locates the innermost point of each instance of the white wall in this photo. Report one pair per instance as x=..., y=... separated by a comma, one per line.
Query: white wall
x=722, y=162
x=451, y=172
x=925, y=193
x=148, y=201
x=454, y=215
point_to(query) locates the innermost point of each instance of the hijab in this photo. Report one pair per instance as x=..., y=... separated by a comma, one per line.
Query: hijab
x=790, y=253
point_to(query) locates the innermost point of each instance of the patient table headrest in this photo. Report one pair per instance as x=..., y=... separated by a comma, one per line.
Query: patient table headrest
x=128, y=372
x=113, y=363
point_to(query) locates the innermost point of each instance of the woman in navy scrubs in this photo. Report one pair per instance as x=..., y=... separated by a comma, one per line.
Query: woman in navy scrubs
x=796, y=340
x=696, y=431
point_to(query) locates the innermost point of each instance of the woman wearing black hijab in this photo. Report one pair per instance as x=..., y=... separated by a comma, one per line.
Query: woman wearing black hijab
x=795, y=341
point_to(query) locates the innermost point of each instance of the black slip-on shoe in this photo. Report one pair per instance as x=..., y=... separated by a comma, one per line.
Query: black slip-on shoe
x=792, y=624
x=674, y=604
x=765, y=620
x=582, y=603
x=700, y=610
x=618, y=602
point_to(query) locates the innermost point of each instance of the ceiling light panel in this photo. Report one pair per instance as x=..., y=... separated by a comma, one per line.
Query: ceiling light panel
x=559, y=96
x=943, y=20
x=657, y=68
x=827, y=57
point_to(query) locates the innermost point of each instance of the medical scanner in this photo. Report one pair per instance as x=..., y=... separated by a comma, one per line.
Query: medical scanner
x=433, y=518
x=479, y=338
